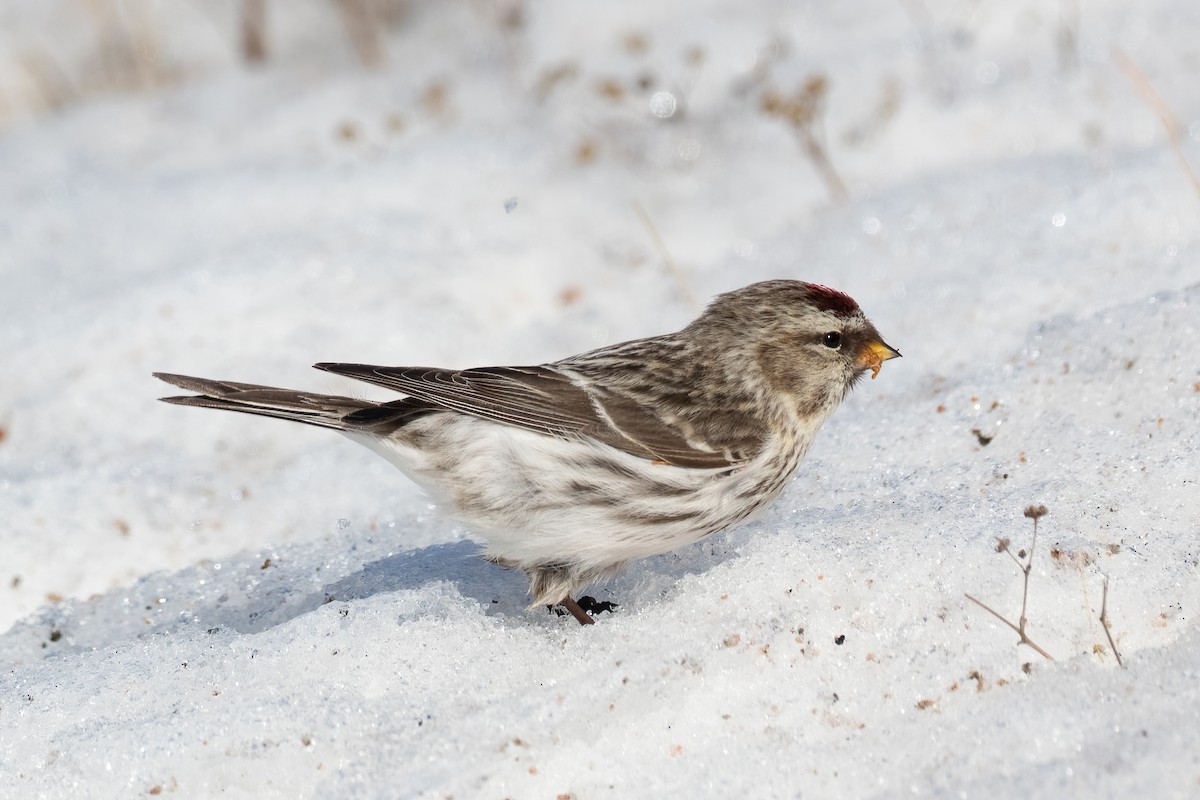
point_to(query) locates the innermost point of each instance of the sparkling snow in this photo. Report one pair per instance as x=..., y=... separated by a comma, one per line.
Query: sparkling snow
x=201, y=603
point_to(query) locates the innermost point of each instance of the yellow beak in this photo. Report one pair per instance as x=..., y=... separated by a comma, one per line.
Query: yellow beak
x=874, y=353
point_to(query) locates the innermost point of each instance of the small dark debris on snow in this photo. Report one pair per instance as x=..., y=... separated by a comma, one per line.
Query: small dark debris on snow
x=839, y=639
x=984, y=438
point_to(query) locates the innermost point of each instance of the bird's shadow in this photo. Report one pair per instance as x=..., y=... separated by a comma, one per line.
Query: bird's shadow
x=246, y=595
x=502, y=592
x=498, y=590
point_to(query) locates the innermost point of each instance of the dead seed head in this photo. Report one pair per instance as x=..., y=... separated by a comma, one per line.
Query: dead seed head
x=802, y=107
x=1036, y=512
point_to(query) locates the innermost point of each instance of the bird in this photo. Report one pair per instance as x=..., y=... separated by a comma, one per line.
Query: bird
x=572, y=469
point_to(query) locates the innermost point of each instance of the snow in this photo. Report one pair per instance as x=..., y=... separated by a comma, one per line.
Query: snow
x=200, y=604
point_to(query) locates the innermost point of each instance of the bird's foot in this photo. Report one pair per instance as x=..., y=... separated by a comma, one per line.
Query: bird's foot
x=579, y=610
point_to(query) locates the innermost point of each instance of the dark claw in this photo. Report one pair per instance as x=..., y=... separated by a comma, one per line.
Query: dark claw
x=579, y=610
x=594, y=606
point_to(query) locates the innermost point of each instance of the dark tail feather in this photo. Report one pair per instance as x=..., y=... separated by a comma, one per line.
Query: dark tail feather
x=322, y=410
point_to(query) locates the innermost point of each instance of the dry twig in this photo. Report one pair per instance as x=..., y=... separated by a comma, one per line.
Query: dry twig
x=1104, y=624
x=803, y=110
x=661, y=246
x=1026, y=567
x=1153, y=99
x=358, y=17
x=363, y=30
x=254, y=29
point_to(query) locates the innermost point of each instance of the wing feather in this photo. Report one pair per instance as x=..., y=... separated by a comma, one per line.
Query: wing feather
x=549, y=401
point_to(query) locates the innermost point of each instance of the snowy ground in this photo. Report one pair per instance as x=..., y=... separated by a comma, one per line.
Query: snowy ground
x=1017, y=225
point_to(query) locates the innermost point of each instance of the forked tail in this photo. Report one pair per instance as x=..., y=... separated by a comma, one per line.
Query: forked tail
x=322, y=410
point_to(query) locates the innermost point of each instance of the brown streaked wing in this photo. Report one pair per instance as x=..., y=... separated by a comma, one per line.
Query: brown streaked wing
x=546, y=401
x=680, y=441
x=528, y=397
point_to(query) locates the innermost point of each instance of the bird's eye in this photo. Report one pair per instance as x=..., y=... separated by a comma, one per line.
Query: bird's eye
x=832, y=340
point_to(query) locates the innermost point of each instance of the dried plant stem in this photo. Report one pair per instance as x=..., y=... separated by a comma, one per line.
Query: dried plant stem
x=254, y=29
x=1019, y=630
x=1068, y=35
x=47, y=77
x=804, y=110
x=1026, y=567
x=1104, y=624
x=362, y=30
x=661, y=246
x=1153, y=99
x=816, y=153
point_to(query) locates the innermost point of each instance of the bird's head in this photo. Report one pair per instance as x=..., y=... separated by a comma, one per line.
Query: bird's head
x=807, y=341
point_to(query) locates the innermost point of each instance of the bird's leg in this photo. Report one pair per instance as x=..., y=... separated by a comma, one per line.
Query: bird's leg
x=578, y=613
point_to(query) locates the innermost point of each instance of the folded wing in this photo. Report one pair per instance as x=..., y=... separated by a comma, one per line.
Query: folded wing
x=548, y=401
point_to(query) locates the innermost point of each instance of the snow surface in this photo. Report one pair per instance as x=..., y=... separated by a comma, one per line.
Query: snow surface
x=1017, y=225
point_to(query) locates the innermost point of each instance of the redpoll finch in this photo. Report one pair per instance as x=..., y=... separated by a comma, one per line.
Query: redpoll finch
x=572, y=469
